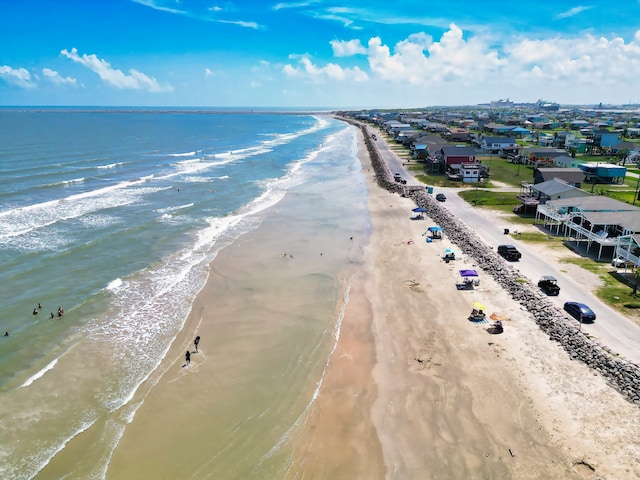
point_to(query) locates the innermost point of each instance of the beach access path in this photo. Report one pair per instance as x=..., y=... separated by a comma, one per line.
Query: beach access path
x=612, y=329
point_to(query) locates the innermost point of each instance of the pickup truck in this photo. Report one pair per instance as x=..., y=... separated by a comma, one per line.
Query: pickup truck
x=509, y=252
x=549, y=285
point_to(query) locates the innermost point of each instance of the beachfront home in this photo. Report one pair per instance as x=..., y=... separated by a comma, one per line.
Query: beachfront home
x=572, y=176
x=454, y=156
x=603, y=173
x=566, y=161
x=591, y=220
x=542, y=155
x=470, y=172
x=532, y=195
x=599, y=141
x=556, y=189
x=498, y=145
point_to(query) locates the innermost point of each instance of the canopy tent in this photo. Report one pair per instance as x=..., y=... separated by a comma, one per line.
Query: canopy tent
x=468, y=273
x=435, y=228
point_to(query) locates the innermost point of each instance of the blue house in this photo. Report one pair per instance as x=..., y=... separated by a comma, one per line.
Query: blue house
x=603, y=173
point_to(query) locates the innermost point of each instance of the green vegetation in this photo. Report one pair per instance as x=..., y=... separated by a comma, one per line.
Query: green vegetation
x=500, y=170
x=485, y=198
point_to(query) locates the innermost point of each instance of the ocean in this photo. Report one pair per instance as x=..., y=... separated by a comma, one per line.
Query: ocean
x=117, y=216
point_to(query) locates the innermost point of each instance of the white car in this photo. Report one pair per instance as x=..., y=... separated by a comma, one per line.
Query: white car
x=620, y=262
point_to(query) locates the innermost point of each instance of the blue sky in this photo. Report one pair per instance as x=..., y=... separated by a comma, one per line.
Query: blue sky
x=316, y=53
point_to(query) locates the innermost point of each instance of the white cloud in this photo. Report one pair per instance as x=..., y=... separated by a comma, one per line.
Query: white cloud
x=55, y=77
x=208, y=72
x=573, y=11
x=19, y=77
x=342, y=48
x=240, y=23
x=280, y=6
x=581, y=60
x=135, y=80
x=419, y=59
x=308, y=71
x=454, y=69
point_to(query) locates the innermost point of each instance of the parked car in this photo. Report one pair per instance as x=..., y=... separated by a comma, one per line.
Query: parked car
x=509, y=252
x=549, y=285
x=620, y=262
x=580, y=311
x=441, y=197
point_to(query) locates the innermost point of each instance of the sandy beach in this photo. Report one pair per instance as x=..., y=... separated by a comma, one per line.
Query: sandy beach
x=438, y=396
x=414, y=390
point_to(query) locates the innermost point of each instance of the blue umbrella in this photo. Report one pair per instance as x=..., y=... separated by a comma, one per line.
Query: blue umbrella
x=419, y=210
x=435, y=228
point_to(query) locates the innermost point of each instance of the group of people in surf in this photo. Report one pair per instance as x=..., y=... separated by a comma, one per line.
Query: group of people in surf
x=36, y=311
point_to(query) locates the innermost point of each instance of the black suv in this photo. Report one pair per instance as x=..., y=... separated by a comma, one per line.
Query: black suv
x=509, y=252
x=549, y=285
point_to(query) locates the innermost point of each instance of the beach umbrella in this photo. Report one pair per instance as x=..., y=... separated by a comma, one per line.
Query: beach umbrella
x=449, y=250
x=468, y=273
x=419, y=210
x=498, y=316
x=435, y=228
x=478, y=306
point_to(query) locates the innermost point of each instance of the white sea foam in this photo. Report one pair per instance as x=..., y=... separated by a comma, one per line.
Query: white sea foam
x=110, y=165
x=186, y=154
x=174, y=208
x=40, y=374
x=73, y=180
x=20, y=221
x=114, y=285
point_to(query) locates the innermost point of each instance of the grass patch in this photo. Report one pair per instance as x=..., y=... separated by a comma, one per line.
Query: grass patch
x=487, y=198
x=500, y=170
x=537, y=237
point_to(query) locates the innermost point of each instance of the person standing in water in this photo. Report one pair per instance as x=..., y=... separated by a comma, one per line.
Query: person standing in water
x=196, y=342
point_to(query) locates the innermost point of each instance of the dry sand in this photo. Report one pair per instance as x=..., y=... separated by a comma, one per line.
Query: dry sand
x=437, y=395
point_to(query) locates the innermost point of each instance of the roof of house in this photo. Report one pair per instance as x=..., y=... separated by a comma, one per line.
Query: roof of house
x=556, y=186
x=626, y=146
x=569, y=175
x=545, y=152
x=599, y=203
x=455, y=151
x=491, y=140
x=628, y=220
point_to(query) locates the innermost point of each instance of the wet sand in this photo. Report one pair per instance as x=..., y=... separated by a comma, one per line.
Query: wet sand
x=414, y=389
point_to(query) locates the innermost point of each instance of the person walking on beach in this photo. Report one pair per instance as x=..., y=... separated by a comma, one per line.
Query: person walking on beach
x=196, y=342
x=187, y=357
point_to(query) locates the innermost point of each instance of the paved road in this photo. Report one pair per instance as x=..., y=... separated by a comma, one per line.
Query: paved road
x=611, y=328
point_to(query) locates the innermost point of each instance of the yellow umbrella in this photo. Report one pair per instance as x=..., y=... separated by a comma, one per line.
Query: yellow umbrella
x=478, y=306
x=498, y=316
